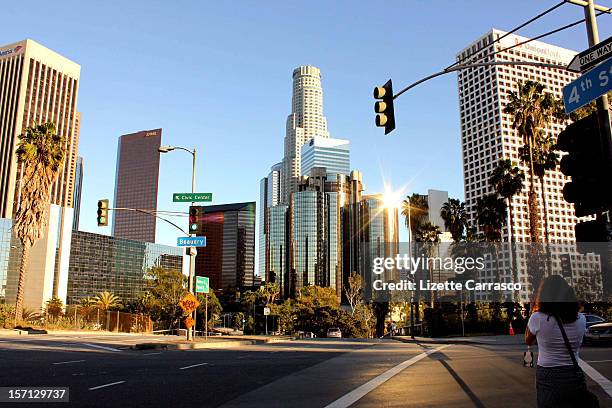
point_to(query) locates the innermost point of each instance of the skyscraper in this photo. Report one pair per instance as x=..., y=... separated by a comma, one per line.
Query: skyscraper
x=229, y=256
x=269, y=196
x=38, y=85
x=333, y=154
x=487, y=134
x=136, y=185
x=78, y=189
x=305, y=122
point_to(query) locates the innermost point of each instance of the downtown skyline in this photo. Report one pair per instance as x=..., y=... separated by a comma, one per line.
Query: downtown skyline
x=231, y=101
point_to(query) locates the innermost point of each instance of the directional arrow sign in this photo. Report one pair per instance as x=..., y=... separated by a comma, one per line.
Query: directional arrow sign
x=588, y=87
x=592, y=56
x=191, y=241
x=191, y=197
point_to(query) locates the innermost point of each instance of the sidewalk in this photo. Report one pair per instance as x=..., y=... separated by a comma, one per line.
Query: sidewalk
x=491, y=340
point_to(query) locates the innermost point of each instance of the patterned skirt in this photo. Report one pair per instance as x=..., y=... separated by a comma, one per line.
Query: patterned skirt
x=558, y=387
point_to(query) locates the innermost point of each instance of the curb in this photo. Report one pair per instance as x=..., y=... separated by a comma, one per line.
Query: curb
x=448, y=341
x=203, y=345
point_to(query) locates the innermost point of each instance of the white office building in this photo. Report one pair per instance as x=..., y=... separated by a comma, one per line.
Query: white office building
x=487, y=135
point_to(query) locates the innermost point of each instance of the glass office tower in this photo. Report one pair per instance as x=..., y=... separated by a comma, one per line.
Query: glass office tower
x=276, y=247
x=100, y=262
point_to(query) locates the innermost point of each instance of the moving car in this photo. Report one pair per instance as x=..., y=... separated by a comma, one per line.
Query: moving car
x=334, y=332
x=599, y=333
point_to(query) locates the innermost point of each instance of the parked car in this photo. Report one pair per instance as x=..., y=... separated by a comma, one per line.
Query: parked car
x=592, y=319
x=334, y=332
x=601, y=332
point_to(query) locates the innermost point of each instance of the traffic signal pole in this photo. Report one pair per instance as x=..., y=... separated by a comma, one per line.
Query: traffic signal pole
x=603, y=107
x=191, y=331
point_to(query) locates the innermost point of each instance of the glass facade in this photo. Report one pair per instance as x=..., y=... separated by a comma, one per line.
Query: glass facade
x=229, y=256
x=10, y=256
x=100, y=262
x=307, y=231
x=136, y=185
x=333, y=154
x=276, y=247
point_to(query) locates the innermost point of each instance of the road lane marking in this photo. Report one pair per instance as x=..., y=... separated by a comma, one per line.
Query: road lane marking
x=105, y=385
x=69, y=362
x=359, y=392
x=100, y=347
x=151, y=354
x=596, y=376
x=596, y=361
x=191, y=366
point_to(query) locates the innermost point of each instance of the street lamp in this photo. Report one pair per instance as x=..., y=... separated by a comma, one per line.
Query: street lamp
x=167, y=149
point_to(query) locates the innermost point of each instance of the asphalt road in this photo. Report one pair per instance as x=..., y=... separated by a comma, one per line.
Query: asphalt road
x=102, y=371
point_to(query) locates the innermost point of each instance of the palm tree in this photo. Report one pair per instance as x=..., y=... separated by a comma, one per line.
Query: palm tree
x=507, y=180
x=415, y=210
x=107, y=300
x=455, y=218
x=41, y=153
x=532, y=109
x=428, y=235
x=544, y=158
x=491, y=216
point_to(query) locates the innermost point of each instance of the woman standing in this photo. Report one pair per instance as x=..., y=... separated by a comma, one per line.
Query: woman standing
x=559, y=382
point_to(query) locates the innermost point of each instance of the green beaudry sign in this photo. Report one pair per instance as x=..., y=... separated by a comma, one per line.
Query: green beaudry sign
x=201, y=285
x=191, y=197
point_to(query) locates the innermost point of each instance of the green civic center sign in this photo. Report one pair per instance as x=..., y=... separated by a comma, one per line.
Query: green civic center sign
x=191, y=197
x=201, y=285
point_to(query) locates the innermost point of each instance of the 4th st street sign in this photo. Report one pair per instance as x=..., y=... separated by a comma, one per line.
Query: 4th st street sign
x=588, y=87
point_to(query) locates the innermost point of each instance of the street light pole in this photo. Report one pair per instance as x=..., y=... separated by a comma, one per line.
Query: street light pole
x=166, y=149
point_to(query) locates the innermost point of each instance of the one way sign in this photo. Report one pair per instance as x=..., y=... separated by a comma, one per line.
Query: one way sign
x=592, y=56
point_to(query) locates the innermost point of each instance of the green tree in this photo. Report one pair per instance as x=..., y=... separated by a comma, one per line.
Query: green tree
x=532, y=110
x=415, y=210
x=428, y=235
x=507, y=180
x=164, y=288
x=491, y=216
x=41, y=152
x=586, y=110
x=213, y=310
x=455, y=218
x=107, y=300
x=54, y=308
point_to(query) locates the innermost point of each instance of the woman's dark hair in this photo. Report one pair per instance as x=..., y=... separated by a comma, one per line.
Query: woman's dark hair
x=555, y=297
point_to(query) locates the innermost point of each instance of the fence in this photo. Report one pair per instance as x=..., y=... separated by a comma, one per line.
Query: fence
x=116, y=321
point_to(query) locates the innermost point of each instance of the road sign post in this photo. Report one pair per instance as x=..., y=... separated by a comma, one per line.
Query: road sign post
x=191, y=197
x=202, y=284
x=191, y=241
x=591, y=57
x=588, y=87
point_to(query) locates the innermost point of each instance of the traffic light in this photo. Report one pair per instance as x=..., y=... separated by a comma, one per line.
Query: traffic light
x=195, y=218
x=102, y=213
x=590, y=188
x=384, y=107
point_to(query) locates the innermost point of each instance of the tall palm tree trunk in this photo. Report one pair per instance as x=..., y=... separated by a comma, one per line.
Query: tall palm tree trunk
x=532, y=201
x=23, y=269
x=546, y=231
x=512, y=248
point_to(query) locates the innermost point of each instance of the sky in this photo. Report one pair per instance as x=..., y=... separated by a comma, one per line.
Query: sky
x=217, y=76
